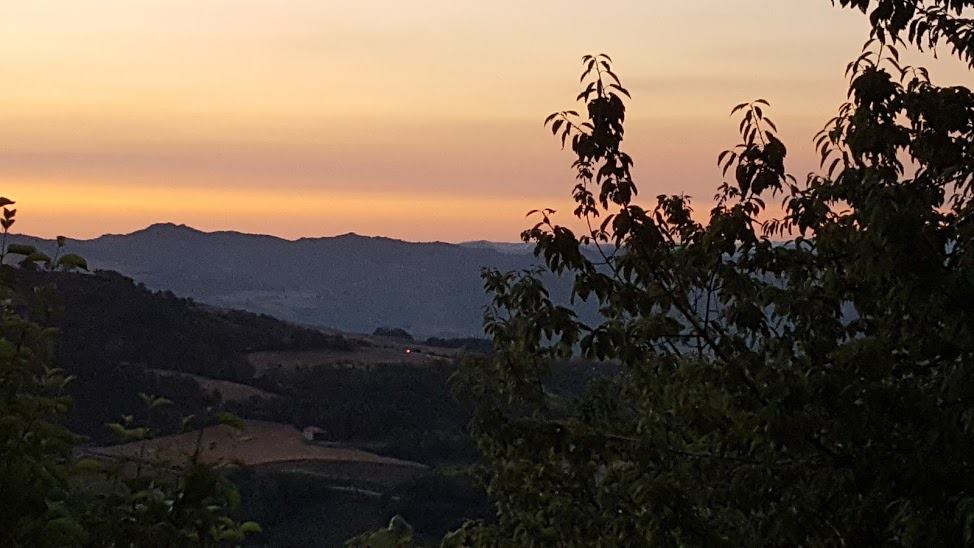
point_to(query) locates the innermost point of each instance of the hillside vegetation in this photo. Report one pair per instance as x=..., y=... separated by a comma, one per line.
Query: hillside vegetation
x=380, y=407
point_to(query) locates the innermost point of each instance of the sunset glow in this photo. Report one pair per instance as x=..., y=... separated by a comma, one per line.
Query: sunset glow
x=418, y=120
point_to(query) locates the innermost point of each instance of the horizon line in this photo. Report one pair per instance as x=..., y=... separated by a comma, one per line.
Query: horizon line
x=189, y=228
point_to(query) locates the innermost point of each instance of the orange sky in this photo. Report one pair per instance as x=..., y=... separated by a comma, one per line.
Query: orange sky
x=419, y=120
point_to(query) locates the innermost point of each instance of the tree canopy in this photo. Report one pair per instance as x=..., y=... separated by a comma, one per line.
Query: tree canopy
x=926, y=24
x=793, y=378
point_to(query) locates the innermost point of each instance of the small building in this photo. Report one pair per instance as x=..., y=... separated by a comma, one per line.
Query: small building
x=313, y=433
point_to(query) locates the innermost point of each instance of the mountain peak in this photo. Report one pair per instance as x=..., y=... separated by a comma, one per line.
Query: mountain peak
x=168, y=228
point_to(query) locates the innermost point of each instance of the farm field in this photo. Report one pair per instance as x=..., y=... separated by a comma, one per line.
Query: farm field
x=316, y=493
x=257, y=443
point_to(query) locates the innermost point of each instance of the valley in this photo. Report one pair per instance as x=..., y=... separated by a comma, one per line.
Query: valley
x=392, y=438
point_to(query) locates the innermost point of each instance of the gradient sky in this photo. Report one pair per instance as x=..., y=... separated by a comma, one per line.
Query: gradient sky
x=419, y=120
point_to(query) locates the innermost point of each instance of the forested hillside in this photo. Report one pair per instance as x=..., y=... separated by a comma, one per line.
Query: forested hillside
x=119, y=341
x=112, y=332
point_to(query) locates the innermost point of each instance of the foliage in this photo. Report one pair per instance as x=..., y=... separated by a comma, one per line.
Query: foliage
x=925, y=23
x=34, y=449
x=179, y=502
x=799, y=380
x=397, y=534
x=50, y=496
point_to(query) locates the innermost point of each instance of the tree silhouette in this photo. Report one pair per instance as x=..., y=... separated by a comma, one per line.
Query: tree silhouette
x=926, y=24
x=801, y=380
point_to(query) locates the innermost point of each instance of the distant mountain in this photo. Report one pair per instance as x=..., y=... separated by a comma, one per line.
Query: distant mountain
x=349, y=282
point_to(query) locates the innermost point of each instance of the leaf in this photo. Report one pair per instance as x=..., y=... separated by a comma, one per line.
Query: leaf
x=621, y=90
x=187, y=423
x=36, y=257
x=230, y=419
x=129, y=434
x=21, y=249
x=71, y=262
x=153, y=402
x=250, y=527
x=89, y=465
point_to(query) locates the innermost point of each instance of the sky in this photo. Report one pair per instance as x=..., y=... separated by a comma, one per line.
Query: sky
x=419, y=120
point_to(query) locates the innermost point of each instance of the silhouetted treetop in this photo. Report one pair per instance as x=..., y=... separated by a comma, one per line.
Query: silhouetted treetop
x=811, y=390
x=925, y=23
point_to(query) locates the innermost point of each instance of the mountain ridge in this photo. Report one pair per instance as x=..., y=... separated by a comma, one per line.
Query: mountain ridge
x=177, y=228
x=348, y=282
